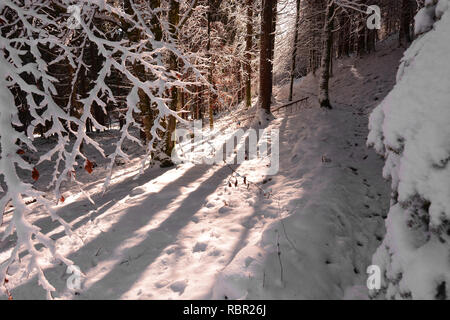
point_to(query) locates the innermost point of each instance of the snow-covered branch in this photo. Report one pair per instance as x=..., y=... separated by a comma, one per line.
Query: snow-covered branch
x=34, y=39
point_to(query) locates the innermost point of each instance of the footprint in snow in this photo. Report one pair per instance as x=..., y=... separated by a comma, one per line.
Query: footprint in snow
x=248, y=261
x=179, y=286
x=200, y=247
x=224, y=209
x=209, y=205
x=172, y=249
x=161, y=284
x=195, y=219
x=137, y=191
x=215, y=253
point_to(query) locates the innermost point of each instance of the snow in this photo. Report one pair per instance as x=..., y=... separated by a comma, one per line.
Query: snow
x=411, y=129
x=330, y=213
x=184, y=233
x=36, y=29
x=424, y=20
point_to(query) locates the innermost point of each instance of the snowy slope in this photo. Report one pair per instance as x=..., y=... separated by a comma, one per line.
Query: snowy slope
x=331, y=211
x=184, y=233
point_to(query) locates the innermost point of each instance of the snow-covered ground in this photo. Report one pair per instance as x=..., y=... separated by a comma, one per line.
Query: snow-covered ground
x=332, y=209
x=185, y=233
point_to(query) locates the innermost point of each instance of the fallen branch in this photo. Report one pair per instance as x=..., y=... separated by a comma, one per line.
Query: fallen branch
x=290, y=103
x=279, y=107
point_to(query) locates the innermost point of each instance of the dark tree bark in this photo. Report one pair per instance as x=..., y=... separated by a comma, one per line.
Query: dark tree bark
x=272, y=32
x=134, y=35
x=371, y=40
x=294, y=52
x=248, y=54
x=405, y=22
x=210, y=71
x=174, y=18
x=95, y=61
x=266, y=54
x=361, y=35
x=324, y=99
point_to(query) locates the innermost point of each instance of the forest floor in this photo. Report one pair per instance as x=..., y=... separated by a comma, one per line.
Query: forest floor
x=184, y=233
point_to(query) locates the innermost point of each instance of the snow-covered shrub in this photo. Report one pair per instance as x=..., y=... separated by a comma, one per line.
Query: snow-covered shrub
x=411, y=129
x=424, y=19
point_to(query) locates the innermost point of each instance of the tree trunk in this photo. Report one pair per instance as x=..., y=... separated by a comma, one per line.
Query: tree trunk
x=324, y=99
x=139, y=69
x=266, y=54
x=174, y=17
x=361, y=36
x=371, y=40
x=248, y=55
x=210, y=71
x=294, y=51
x=405, y=22
x=197, y=103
